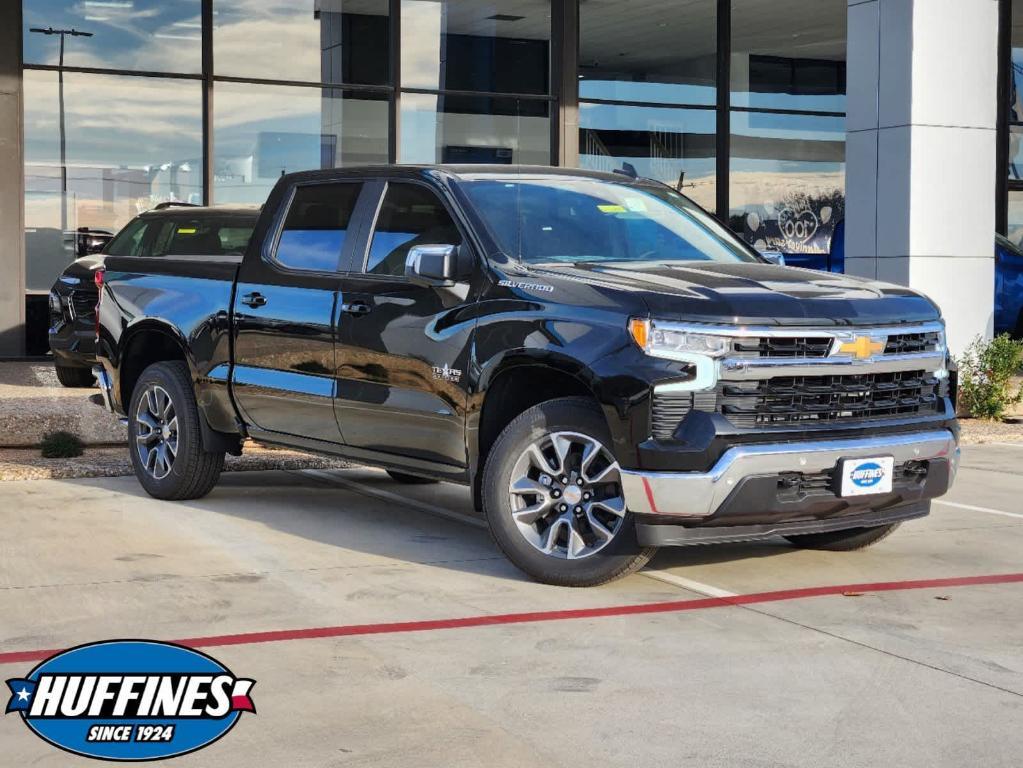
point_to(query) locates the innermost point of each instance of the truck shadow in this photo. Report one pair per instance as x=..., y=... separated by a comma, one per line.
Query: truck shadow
x=367, y=518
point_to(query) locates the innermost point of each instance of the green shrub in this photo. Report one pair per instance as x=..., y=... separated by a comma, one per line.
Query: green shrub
x=986, y=369
x=61, y=445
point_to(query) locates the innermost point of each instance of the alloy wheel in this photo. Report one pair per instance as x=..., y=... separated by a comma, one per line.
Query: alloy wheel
x=156, y=432
x=566, y=495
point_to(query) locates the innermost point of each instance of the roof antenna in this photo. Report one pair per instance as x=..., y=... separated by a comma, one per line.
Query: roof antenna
x=681, y=181
x=627, y=169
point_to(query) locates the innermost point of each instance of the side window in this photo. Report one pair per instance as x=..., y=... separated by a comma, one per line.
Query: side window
x=129, y=240
x=234, y=239
x=410, y=215
x=316, y=226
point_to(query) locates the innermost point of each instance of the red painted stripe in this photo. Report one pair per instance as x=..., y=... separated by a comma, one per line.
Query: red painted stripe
x=672, y=606
x=650, y=495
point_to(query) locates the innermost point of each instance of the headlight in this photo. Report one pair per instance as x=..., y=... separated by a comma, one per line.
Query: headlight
x=673, y=341
x=676, y=342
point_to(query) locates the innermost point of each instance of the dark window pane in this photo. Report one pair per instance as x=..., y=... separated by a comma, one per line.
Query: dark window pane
x=128, y=241
x=787, y=180
x=316, y=227
x=660, y=144
x=411, y=215
x=200, y=236
x=339, y=41
x=131, y=142
x=263, y=131
x=664, y=53
x=459, y=129
x=499, y=46
x=789, y=60
x=146, y=35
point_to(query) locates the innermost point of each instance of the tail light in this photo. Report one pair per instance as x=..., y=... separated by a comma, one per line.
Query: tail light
x=97, y=278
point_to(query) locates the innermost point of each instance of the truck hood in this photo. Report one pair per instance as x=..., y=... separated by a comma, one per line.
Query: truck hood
x=755, y=294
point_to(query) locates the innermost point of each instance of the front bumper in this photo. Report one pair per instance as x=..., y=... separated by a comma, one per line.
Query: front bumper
x=752, y=483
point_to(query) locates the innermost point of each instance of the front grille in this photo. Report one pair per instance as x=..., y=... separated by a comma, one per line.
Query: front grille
x=788, y=346
x=791, y=400
x=909, y=343
x=83, y=303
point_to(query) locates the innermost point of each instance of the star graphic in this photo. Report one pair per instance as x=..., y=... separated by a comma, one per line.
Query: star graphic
x=23, y=694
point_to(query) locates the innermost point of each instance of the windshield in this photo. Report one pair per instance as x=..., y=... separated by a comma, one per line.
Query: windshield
x=572, y=219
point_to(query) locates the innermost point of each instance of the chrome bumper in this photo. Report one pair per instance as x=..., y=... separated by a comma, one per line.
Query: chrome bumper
x=698, y=495
x=104, y=386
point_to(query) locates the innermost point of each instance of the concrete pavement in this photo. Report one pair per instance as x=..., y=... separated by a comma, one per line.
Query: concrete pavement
x=921, y=677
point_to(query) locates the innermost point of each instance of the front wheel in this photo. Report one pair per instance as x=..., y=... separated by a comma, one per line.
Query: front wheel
x=552, y=495
x=843, y=541
x=164, y=437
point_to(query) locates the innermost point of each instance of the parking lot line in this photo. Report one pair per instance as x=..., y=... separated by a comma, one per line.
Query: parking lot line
x=972, y=508
x=681, y=581
x=490, y=620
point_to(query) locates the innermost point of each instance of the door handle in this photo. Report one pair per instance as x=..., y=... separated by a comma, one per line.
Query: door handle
x=254, y=300
x=356, y=308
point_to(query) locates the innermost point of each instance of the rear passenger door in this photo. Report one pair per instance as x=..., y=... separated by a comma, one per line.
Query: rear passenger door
x=284, y=310
x=404, y=349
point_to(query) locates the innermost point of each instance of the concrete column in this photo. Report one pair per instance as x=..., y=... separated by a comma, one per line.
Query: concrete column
x=12, y=186
x=920, y=152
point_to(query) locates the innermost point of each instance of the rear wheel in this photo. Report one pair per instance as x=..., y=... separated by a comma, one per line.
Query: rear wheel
x=70, y=376
x=164, y=438
x=401, y=477
x=843, y=541
x=552, y=495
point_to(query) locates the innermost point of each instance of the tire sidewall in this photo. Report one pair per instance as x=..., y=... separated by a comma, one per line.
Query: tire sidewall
x=189, y=439
x=564, y=415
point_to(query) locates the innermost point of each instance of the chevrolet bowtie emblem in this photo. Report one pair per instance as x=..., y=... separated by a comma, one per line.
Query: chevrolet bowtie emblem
x=862, y=347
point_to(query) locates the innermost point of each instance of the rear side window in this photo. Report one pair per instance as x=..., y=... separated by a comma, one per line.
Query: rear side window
x=199, y=236
x=316, y=227
x=128, y=241
x=410, y=215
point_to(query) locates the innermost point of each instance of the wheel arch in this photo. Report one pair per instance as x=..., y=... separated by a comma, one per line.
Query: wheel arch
x=512, y=387
x=153, y=341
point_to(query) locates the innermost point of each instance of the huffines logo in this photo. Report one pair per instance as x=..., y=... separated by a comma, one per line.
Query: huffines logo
x=867, y=475
x=130, y=700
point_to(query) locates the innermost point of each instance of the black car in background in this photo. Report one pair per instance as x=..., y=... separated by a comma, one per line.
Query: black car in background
x=169, y=230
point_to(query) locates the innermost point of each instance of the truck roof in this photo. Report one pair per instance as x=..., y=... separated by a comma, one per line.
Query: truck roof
x=455, y=171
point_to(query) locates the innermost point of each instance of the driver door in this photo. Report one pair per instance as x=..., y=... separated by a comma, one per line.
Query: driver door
x=404, y=349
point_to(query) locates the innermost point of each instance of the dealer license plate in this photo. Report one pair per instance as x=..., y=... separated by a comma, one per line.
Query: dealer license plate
x=862, y=477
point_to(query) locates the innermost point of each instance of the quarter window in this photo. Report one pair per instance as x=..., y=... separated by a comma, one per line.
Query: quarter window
x=316, y=228
x=410, y=215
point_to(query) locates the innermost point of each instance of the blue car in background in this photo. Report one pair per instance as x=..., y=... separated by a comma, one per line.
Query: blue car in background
x=1008, y=276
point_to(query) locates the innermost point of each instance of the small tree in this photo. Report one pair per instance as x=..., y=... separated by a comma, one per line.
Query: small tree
x=986, y=369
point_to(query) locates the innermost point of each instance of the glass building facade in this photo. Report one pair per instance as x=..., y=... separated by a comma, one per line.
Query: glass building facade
x=739, y=103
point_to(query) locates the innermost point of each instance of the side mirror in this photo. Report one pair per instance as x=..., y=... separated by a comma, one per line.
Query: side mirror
x=439, y=266
x=774, y=257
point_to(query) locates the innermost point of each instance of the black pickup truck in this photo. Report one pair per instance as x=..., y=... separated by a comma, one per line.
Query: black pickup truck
x=596, y=357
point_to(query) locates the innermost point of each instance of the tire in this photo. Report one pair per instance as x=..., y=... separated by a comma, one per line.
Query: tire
x=191, y=472
x=70, y=376
x=541, y=547
x=843, y=541
x=401, y=477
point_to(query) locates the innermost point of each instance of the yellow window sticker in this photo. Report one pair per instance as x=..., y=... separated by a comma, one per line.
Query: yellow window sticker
x=186, y=231
x=612, y=208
